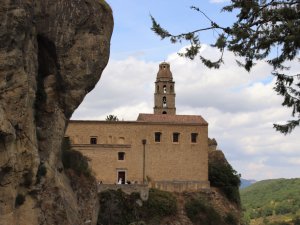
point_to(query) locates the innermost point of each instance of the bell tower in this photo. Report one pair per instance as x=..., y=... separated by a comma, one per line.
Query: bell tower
x=164, y=96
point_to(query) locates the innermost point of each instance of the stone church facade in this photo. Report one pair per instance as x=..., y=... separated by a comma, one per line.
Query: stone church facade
x=164, y=150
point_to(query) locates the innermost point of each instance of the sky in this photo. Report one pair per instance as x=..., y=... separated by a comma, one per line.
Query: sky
x=240, y=107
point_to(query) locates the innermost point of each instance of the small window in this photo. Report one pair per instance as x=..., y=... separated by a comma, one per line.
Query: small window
x=93, y=140
x=157, y=136
x=175, y=137
x=164, y=112
x=194, y=137
x=165, y=89
x=121, y=155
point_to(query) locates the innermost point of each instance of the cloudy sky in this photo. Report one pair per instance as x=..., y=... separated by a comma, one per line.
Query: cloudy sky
x=240, y=107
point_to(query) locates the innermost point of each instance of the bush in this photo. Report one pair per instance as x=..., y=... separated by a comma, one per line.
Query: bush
x=226, y=178
x=20, y=199
x=297, y=221
x=74, y=160
x=200, y=213
x=230, y=219
x=160, y=204
x=118, y=208
x=283, y=209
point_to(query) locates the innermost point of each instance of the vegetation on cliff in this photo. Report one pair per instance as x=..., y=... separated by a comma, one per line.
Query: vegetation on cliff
x=118, y=208
x=272, y=202
x=201, y=212
x=74, y=160
x=223, y=176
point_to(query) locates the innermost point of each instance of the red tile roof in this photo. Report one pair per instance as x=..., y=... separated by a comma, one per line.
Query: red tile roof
x=184, y=119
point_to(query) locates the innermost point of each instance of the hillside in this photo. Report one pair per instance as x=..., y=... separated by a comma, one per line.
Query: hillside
x=269, y=201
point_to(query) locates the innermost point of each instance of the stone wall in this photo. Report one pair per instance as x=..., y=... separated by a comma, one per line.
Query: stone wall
x=164, y=161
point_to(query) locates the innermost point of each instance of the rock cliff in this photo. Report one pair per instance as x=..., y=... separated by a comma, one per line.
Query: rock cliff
x=52, y=53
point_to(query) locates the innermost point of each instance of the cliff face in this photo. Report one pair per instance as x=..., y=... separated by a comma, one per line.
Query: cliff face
x=52, y=53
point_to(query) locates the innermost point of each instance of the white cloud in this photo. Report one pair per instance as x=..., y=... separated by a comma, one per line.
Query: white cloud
x=240, y=107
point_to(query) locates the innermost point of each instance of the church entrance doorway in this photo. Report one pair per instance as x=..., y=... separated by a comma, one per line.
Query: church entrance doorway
x=121, y=177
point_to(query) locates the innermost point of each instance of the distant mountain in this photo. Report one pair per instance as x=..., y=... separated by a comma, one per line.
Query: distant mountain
x=246, y=183
x=272, y=202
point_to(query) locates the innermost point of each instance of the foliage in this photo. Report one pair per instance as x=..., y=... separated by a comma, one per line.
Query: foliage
x=264, y=30
x=202, y=213
x=230, y=219
x=111, y=118
x=226, y=178
x=74, y=160
x=272, y=198
x=20, y=199
x=118, y=208
x=160, y=203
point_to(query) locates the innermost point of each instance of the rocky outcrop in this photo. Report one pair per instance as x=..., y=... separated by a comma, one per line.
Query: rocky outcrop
x=52, y=53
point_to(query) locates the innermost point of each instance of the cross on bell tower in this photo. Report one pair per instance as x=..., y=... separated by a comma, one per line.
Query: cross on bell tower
x=164, y=96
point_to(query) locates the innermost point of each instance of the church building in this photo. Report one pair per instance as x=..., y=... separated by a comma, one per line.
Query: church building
x=163, y=149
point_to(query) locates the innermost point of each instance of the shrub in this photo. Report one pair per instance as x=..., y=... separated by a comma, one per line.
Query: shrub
x=282, y=209
x=20, y=199
x=160, y=203
x=74, y=160
x=297, y=221
x=118, y=208
x=201, y=213
x=226, y=178
x=230, y=219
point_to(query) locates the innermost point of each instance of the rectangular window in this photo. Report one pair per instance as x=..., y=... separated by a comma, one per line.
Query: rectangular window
x=121, y=155
x=157, y=136
x=93, y=140
x=175, y=137
x=194, y=137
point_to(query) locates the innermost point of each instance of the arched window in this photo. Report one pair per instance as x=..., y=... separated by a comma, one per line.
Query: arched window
x=157, y=88
x=164, y=112
x=164, y=102
x=165, y=89
x=171, y=88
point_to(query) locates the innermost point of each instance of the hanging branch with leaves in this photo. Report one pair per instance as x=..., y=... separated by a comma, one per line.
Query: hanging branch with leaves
x=261, y=27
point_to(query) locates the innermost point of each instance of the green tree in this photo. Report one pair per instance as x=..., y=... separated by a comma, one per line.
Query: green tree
x=111, y=118
x=262, y=28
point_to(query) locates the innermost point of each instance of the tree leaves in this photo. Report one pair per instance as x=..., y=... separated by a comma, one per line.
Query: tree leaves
x=264, y=30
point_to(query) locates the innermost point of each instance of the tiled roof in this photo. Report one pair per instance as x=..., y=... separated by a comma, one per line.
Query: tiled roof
x=185, y=119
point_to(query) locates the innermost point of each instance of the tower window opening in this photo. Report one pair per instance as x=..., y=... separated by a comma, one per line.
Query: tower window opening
x=164, y=112
x=157, y=136
x=171, y=88
x=164, y=102
x=194, y=137
x=176, y=137
x=165, y=89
